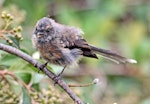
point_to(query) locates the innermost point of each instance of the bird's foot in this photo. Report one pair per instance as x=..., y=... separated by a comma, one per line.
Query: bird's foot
x=42, y=66
x=56, y=79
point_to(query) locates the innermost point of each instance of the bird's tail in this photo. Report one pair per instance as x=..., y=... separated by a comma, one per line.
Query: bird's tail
x=112, y=55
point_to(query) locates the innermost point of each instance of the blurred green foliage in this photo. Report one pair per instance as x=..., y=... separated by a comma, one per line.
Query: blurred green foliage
x=119, y=25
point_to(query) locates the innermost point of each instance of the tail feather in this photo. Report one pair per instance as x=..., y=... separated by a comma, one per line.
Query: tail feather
x=112, y=55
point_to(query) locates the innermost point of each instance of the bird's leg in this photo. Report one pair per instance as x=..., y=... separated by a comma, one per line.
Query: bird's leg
x=62, y=71
x=59, y=75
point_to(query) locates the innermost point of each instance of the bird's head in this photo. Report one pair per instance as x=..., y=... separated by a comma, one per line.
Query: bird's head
x=44, y=29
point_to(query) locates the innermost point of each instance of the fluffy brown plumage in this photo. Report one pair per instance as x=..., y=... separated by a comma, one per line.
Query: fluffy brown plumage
x=64, y=45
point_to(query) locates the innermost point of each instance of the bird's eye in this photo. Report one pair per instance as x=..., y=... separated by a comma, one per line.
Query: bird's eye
x=48, y=31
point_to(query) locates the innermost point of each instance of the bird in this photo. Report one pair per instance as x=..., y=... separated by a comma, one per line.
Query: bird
x=64, y=45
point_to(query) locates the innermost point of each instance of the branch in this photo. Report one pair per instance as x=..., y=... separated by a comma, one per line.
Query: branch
x=50, y=74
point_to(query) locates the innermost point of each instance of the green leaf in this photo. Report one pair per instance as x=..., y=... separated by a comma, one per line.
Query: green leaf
x=25, y=76
x=22, y=65
x=36, y=86
x=8, y=59
x=37, y=78
x=15, y=41
x=26, y=98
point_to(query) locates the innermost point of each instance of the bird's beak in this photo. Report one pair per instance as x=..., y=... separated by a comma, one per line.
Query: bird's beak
x=39, y=35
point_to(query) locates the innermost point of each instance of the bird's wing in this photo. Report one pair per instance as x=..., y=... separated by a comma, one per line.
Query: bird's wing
x=72, y=38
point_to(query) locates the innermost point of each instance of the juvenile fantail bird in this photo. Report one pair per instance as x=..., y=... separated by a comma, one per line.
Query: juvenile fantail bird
x=64, y=45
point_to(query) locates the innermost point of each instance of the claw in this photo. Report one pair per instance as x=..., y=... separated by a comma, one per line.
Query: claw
x=42, y=66
x=56, y=79
x=35, y=65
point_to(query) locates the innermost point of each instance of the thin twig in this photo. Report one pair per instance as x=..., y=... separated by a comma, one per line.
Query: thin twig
x=3, y=73
x=80, y=85
x=50, y=74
